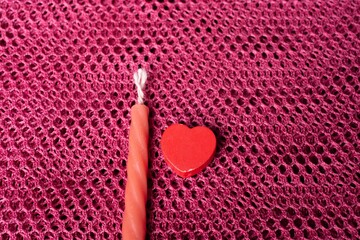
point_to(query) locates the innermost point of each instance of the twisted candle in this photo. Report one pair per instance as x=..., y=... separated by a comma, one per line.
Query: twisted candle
x=134, y=221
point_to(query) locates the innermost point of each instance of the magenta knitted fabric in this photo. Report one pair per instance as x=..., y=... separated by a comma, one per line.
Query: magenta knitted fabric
x=277, y=82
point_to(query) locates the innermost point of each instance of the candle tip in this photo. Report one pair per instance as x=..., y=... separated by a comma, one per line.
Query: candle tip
x=140, y=77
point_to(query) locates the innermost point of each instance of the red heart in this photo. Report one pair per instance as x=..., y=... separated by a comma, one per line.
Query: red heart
x=188, y=151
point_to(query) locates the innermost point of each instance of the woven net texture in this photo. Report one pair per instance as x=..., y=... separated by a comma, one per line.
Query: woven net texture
x=277, y=81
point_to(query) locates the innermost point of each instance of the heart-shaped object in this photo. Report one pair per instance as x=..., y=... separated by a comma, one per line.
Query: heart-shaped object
x=188, y=150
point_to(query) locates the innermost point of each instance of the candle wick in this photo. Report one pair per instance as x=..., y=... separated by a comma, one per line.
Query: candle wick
x=140, y=78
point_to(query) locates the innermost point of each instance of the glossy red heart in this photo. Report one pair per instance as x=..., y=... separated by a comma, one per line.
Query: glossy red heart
x=188, y=150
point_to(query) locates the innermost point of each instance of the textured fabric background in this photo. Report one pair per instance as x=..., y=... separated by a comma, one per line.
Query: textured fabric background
x=278, y=83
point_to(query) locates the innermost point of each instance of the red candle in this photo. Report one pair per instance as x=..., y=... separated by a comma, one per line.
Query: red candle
x=134, y=221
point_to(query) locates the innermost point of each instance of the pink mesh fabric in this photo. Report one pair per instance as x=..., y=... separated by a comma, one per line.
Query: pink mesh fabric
x=278, y=83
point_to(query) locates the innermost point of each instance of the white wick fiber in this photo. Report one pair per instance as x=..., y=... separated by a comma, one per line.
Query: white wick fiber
x=140, y=79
